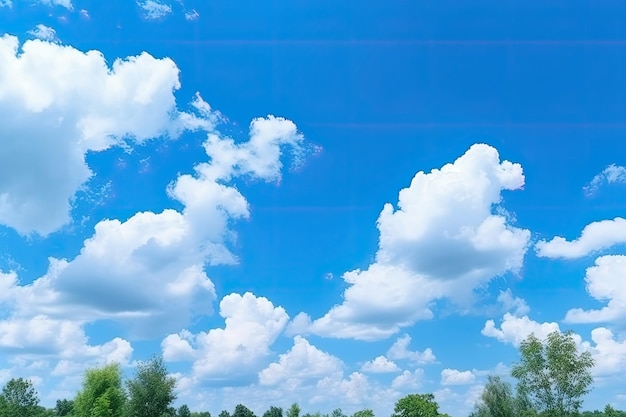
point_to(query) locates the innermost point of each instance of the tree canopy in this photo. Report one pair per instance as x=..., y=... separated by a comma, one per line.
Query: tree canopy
x=151, y=391
x=102, y=394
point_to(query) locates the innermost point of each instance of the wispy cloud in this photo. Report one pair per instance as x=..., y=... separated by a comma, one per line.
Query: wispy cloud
x=43, y=32
x=192, y=15
x=154, y=9
x=613, y=174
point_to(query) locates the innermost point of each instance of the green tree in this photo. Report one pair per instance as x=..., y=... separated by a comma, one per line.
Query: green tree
x=151, y=391
x=552, y=376
x=102, y=394
x=242, y=411
x=201, y=414
x=364, y=413
x=416, y=405
x=496, y=399
x=337, y=412
x=273, y=412
x=64, y=408
x=183, y=411
x=294, y=410
x=224, y=413
x=19, y=398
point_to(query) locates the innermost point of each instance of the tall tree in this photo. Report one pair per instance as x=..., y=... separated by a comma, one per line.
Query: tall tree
x=294, y=410
x=64, y=408
x=242, y=411
x=364, y=413
x=552, y=375
x=224, y=413
x=151, y=391
x=19, y=398
x=183, y=411
x=273, y=412
x=416, y=405
x=496, y=399
x=102, y=394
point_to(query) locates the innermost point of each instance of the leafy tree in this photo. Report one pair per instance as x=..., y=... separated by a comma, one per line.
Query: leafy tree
x=102, y=394
x=496, y=400
x=416, y=405
x=64, y=408
x=364, y=413
x=151, y=391
x=274, y=412
x=552, y=376
x=224, y=413
x=183, y=411
x=242, y=411
x=338, y=413
x=19, y=398
x=294, y=410
x=201, y=414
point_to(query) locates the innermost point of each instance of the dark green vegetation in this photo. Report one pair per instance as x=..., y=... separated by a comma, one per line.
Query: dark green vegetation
x=552, y=379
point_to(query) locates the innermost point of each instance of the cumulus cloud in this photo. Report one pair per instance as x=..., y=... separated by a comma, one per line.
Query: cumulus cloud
x=63, y=3
x=606, y=281
x=154, y=9
x=613, y=174
x=594, y=237
x=380, y=365
x=444, y=238
x=400, y=351
x=60, y=103
x=515, y=305
x=252, y=325
x=514, y=329
x=408, y=380
x=304, y=361
x=43, y=32
x=456, y=377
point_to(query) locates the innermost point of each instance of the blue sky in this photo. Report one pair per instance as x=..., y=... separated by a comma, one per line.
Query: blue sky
x=334, y=203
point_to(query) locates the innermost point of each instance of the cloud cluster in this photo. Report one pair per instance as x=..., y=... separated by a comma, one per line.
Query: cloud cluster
x=444, y=239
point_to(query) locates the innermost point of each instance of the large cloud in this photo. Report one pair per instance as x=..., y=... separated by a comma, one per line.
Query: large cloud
x=445, y=237
x=58, y=103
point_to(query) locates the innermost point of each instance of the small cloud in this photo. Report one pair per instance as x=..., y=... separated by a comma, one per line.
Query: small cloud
x=380, y=365
x=154, y=9
x=329, y=276
x=192, y=15
x=84, y=14
x=6, y=3
x=455, y=377
x=613, y=174
x=515, y=305
x=63, y=3
x=43, y=32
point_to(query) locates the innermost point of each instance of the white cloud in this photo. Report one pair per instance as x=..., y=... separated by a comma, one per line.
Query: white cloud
x=354, y=390
x=609, y=354
x=154, y=9
x=400, y=350
x=304, y=361
x=408, y=380
x=6, y=3
x=443, y=240
x=594, y=237
x=456, y=377
x=43, y=32
x=515, y=305
x=60, y=103
x=192, y=15
x=252, y=326
x=613, y=174
x=605, y=281
x=84, y=13
x=380, y=365
x=63, y=3
x=514, y=329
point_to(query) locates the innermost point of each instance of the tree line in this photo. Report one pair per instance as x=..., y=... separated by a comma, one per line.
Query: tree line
x=552, y=380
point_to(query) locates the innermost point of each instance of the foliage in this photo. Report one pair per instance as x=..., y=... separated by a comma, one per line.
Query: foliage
x=183, y=411
x=64, y=408
x=151, y=391
x=294, y=410
x=224, y=413
x=496, y=400
x=364, y=413
x=201, y=414
x=417, y=405
x=102, y=394
x=273, y=412
x=338, y=413
x=552, y=376
x=19, y=398
x=242, y=411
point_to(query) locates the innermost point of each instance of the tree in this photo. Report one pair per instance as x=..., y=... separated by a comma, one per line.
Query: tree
x=183, y=411
x=102, y=394
x=19, y=398
x=337, y=412
x=151, y=391
x=274, y=412
x=64, y=408
x=201, y=414
x=242, y=411
x=364, y=413
x=552, y=376
x=224, y=413
x=496, y=400
x=294, y=410
x=416, y=405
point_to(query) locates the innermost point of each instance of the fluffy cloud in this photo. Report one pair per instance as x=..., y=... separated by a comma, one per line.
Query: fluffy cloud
x=515, y=329
x=594, y=237
x=302, y=362
x=444, y=239
x=380, y=365
x=613, y=174
x=408, y=380
x=515, y=305
x=456, y=377
x=400, y=350
x=60, y=103
x=43, y=32
x=154, y=9
x=605, y=281
x=252, y=326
